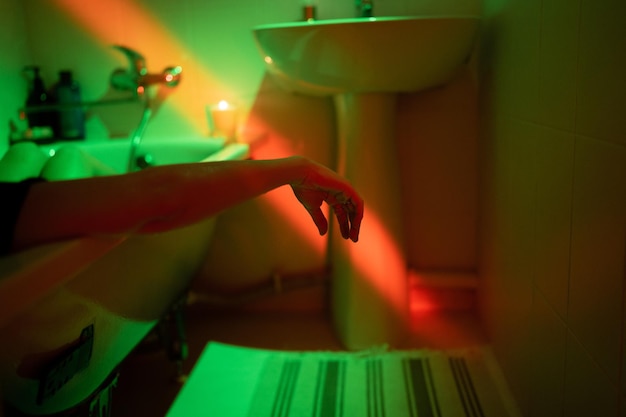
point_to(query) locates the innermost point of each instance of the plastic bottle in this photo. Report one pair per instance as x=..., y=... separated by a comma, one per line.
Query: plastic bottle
x=38, y=97
x=71, y=116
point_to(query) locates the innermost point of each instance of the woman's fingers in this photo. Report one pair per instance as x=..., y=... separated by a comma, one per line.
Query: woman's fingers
x=355, y=213
x=319, y=219
x=342, y=219
x=349, y=214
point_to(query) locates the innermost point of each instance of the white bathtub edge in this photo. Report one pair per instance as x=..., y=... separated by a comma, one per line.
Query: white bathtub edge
x=232, y=152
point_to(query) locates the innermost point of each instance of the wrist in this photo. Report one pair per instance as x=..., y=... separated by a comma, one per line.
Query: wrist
x=298, y=168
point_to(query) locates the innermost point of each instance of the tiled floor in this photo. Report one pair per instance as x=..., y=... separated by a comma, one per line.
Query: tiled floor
x=147, y=384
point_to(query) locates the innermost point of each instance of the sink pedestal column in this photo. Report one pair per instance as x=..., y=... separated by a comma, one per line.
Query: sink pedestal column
x=369, y=283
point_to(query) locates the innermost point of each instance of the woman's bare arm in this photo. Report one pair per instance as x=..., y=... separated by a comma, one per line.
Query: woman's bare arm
x=166, y=197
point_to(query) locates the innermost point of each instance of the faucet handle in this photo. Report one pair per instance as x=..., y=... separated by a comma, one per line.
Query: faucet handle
x=128, y=79
x=137, y=78
x=136, y=61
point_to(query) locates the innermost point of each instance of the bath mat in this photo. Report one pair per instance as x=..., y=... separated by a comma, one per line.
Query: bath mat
x=230, y=381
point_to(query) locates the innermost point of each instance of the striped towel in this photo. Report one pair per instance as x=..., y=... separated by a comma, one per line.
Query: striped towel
x=230, y=381
x=409, y=384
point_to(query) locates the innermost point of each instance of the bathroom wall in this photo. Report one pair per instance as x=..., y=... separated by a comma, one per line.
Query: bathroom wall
x=553, y=201
x=212, y=40
x=15, y=53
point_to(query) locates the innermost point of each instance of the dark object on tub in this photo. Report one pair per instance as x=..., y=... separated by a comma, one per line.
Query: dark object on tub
x=13, y=197
x=38, y=97
x=62, y=369
x=98, y=404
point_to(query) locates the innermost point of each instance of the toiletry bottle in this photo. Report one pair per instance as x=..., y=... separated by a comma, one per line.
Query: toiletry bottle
x=71, y=116
x=38, y=97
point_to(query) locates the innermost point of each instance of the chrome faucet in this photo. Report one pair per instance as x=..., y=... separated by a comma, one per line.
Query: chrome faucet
x=136, y=77
x=364, y=8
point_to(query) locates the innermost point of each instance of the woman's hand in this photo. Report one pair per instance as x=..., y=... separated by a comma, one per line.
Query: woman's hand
x=320, y=184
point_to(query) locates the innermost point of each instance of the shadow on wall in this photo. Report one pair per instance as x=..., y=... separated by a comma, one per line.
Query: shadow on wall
x=437, y=152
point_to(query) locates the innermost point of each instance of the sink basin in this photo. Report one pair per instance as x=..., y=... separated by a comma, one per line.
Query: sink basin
x=378, y=54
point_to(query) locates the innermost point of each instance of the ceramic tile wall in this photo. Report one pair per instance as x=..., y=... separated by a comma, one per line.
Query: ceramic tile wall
x=553, y=201
x=15, y=53
x=212, y=40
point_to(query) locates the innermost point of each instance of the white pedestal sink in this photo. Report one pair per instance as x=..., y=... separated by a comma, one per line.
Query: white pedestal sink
x=363, y=63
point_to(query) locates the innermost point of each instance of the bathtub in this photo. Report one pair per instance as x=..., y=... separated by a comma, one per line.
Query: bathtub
x=105, y=293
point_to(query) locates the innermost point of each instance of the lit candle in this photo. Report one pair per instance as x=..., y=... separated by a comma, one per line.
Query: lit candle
x=309, y=10
x=222, y=119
